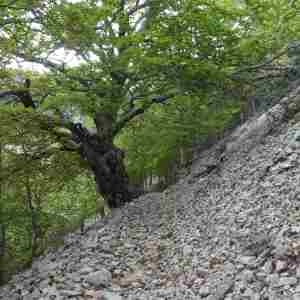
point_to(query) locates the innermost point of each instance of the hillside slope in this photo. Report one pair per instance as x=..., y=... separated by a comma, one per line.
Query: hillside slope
x=229, y=230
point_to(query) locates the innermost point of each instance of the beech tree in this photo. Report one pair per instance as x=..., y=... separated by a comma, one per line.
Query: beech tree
x=128, y=56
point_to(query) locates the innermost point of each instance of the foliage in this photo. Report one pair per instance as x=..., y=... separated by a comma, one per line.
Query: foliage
x=153, y=143
x=42, y=196
x=168, y=72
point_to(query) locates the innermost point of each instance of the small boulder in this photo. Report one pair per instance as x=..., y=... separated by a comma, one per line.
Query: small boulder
x=101, y=278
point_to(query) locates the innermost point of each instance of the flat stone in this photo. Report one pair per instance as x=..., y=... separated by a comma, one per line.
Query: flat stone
x=111, y=296
x=85, y=270
x=261, y=276
x=70, y=293
x=287, y=281
x=298, y=272
x=247, y=260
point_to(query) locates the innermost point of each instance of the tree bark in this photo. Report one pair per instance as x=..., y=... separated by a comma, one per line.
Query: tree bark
x=106, y=161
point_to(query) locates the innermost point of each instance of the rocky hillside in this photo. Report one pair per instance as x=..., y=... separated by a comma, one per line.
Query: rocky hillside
x=230, y=230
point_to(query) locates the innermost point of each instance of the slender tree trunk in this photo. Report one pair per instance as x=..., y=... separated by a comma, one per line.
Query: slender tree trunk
x=107, y=162
x=2, y=252
x=34, y=219
x=2, y=230
x=82, y=217
x=150, y=180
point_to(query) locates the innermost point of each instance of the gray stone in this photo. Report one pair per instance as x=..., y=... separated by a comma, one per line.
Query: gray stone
x=261, y=276
x=273, y=279
x=85, y=270
x=71, y=293
x=111, y=296
x=247, y=276
x=187, y=250
x=52, y=292
x=247, y=260
x=296, y=296
x=222, y=289
x=298, y=272
x=250, y=294
x=267, y=267
x=204, y=291
x=101, y=278
x=289, y=281
x=281, y=249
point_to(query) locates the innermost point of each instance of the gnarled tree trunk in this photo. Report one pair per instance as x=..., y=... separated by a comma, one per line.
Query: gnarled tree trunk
x=106, y=161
